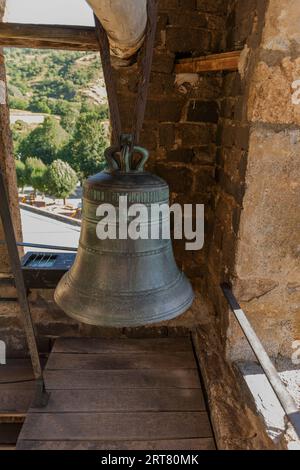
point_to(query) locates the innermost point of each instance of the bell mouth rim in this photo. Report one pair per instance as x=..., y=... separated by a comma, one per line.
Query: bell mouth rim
x=158, y=318
x=109, y=314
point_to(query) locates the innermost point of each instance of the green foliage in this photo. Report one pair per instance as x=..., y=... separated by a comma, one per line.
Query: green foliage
x=57, y=88
x=17, y=103
x=99, y=110
x=39, y=105
x=20, y=69
x=15, y=91
x=35, y=174
x=45, y=142
x=56, y=83
x=21, y=174
x=19, y=131
x=61, y=179
x=50, y=75
x=39, y=180
x=85, y=151
x=68, y=112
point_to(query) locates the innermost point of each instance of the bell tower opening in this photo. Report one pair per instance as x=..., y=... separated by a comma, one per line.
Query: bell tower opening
x=59, y=122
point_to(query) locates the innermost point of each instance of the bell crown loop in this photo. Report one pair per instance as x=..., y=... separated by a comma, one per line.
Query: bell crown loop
x=122, y=159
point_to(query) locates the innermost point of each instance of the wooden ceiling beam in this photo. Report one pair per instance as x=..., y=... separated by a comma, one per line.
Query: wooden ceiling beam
x=33, y=36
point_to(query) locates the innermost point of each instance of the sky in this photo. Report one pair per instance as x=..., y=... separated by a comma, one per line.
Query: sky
x=75, y=12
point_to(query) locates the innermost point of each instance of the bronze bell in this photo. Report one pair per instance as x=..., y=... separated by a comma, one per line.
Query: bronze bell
x=123, y=282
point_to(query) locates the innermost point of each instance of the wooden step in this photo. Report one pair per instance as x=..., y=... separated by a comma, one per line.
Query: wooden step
x=120, y=394
x=116, y=426
x=176, y=444
x=105, y=345
x=121, y=361
x=133, y=400
x=121, y=379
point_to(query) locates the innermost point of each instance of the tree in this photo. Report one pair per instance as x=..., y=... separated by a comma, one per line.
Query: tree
x=61, y=179
x=57, y=88
x=21, y=174
x=39, y=104
x=68, y=112
x=35, y=174
x=38, y=179
x=19, y=131
x=85, y=151
x=18, y=103
x=99, y=110
x=45, y=141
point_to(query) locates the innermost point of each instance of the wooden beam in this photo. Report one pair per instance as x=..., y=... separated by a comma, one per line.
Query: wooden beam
x=48, y=37
x=210, y=63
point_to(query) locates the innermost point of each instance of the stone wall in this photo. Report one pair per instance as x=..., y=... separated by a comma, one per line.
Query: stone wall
x=267, y=259
x=255, y=237
x=244, y=28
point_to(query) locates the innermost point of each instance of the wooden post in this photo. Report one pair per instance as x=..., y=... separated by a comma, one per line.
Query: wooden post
x=7, y=161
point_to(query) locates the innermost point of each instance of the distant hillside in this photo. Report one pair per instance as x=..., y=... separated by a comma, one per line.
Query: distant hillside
x=58, y=107
x=53, y=82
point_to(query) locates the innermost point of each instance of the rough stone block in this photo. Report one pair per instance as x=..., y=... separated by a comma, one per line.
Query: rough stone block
x=180, y=155
x=183, y=17
x=162, y=84
x=188, y=4
x=163, y=110
x=168, y=4
x=282, y=26
x=215, y=22
x=217, y=6
x=271, y=206
x=148, y=138
x=207, y=88
x=181, y=40
x=178, y=177
x=203, y=111
x=275, y=93
x=204, y=179
x=191, y=135
x=236, y=189
x=232, y=84
x=228, y=108
x=205, y=155
x=167, y=135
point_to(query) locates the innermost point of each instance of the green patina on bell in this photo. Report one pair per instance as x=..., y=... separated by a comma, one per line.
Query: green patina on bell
x=123, y=282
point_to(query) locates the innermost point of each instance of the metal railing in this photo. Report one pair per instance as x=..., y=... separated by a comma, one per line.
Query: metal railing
x=286, y=400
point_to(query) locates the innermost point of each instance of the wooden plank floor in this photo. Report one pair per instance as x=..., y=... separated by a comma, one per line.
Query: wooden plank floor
x=119, y=395
x=17, y=387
